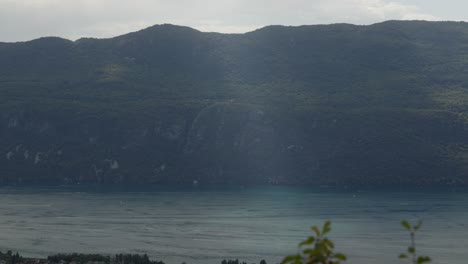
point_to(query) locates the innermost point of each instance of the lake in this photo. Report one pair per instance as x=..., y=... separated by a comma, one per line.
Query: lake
x=207, y=225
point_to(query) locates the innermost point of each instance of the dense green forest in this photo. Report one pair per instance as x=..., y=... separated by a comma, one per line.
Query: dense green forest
x=385, y=104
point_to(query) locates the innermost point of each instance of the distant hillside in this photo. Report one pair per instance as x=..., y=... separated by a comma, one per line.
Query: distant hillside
x=385, y=104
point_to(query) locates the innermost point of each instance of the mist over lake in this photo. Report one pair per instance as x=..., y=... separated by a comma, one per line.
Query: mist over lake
x=207, y=225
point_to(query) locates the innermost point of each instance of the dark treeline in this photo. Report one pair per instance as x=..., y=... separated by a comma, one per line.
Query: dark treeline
x=15, y=258
x=117, y=259
x=10, y=258
x=230, y=261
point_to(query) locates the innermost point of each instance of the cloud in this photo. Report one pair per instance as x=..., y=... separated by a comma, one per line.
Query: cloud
x=384, y=10
x=28, y=19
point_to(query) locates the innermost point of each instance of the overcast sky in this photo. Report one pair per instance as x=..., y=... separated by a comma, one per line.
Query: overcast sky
x=28, y=19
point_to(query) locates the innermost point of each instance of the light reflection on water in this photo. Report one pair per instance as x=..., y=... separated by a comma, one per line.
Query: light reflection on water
x=205, y=226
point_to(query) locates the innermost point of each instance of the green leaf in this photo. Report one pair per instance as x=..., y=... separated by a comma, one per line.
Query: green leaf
x=411, y=250
x=291, y=259
x=326, y=227
x=403, y=256
x=340, y=256
x=418, y=225
x=329, y=243
x=308, y=241
x=423, y=259
x=311, y=252
x=316, y=230
x=406, y=225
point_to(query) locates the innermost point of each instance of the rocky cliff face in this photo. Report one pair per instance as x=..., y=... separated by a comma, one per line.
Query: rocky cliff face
x=221, y=143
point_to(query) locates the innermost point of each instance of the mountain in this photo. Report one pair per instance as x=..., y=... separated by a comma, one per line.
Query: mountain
x=385, y=104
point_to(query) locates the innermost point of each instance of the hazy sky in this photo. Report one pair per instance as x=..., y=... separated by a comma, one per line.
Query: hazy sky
x=72, y=19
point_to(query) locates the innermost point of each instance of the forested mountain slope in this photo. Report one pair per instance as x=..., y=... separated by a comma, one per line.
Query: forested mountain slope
x=383, y=104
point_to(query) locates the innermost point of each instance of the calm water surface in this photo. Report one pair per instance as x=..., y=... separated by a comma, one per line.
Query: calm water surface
x=196, y=225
